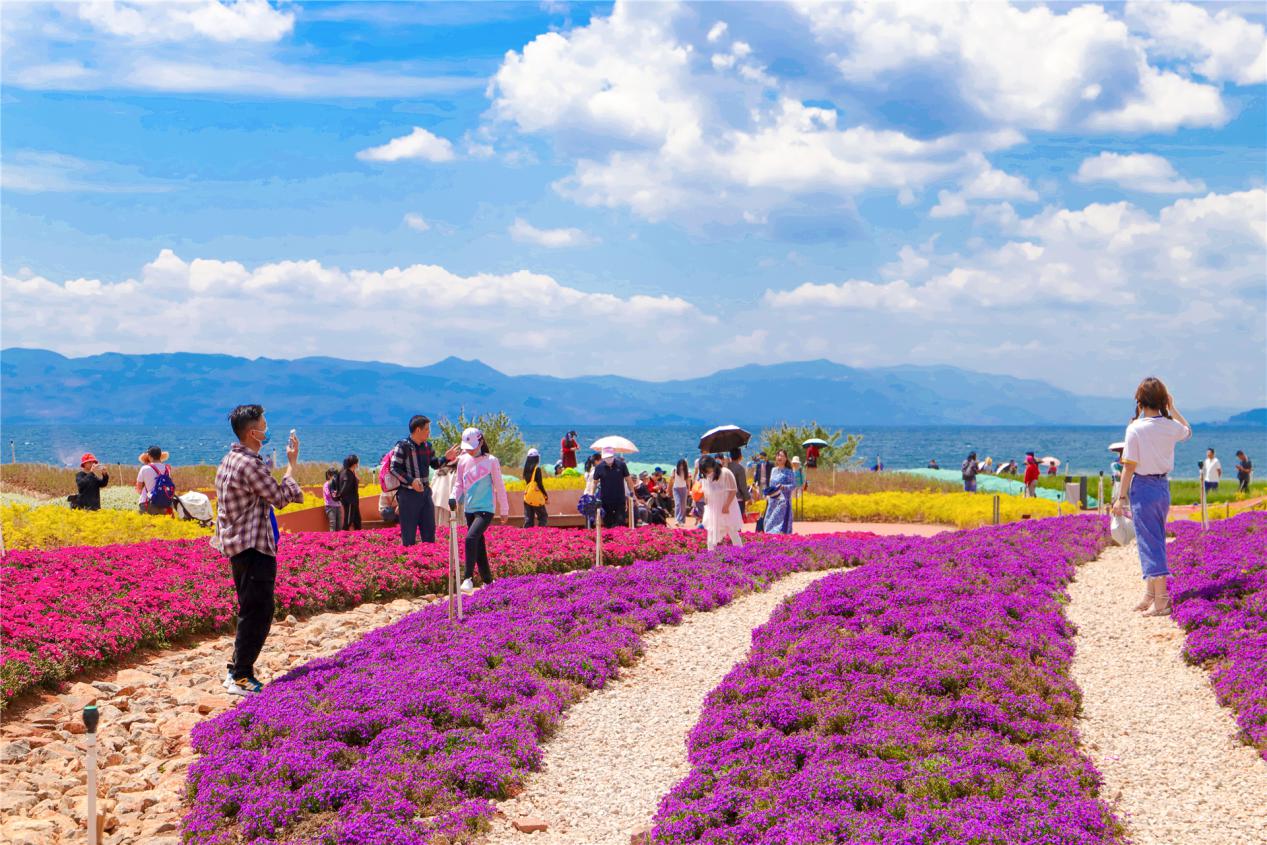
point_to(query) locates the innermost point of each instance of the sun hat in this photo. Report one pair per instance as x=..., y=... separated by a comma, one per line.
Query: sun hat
x=88, y=457
x=533, y=453
x=796, y=459
x=472, y=439
x=609, y=452
x=144, y=457
x=1119, y=446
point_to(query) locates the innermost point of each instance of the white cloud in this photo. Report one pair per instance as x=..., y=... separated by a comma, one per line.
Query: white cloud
x=1224, y=45
x=524, y=232
x=243, y=20
x=418, y=144
x=416, y=222
x=1104, y=255
x=203, y=46
x=1136, y=172
x=36, y=171
x=716, y=31
x=1082, y=68
x=202, y=305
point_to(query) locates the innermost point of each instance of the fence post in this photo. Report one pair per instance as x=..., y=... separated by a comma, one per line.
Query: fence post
x=996, y=509
x=1099, y=495
x=598, y=536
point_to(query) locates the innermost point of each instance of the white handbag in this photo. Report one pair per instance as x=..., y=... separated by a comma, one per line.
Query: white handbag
x=1122, y=529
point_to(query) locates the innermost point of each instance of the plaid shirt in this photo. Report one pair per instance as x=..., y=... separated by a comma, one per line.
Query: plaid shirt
x=244, y=492
x=412, y=460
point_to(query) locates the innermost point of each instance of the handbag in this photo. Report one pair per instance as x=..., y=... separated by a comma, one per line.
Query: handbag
x=697, y=491
x=1122, y=529
x=533, y=496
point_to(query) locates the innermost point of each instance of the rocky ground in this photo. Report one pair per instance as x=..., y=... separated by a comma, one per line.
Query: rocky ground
x=143, y=737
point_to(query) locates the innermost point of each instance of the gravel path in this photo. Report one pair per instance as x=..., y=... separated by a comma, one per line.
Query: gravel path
x=143, y=740
x=1167, y=750
x=621, y=749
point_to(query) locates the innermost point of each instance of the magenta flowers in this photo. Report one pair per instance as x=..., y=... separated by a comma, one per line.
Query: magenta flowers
x=65, y=609
x=922, y=698
x=1219, y=591
x=409, y=734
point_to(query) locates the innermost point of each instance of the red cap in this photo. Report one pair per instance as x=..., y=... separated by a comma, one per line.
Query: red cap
x=88, y=457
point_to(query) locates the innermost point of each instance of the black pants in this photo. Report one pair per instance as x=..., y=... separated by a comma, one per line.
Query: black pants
x=476, y=547
x=254, y=579
x=535, y=515
x=1242, y=483
x=352, y=514
x=615, y=516
x=417, y=515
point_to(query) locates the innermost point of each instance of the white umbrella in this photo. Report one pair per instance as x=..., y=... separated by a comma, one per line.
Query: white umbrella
x=619, y=445
x=1049, y=460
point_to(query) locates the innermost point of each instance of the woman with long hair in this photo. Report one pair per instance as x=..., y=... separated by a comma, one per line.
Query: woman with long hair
x=350, y=493
x=1147, y=459
x=722, y=518
x=681, y=491
x=778, y=507
x=535, y=496
x=478, y=485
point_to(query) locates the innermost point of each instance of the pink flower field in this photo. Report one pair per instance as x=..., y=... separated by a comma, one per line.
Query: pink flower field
x=67, y=609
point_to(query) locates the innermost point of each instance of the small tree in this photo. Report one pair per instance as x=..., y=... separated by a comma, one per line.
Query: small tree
x=839, y=452
x=500, y=433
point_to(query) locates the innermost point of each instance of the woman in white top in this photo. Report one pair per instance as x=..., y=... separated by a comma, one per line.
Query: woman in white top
x=681, y=491
x=721, y=494
x=1148, y=457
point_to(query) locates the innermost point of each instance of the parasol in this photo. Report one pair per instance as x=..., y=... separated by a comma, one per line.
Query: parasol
x=617, y=444
x=816, y=441
x=723, y=439
x=1049, y=460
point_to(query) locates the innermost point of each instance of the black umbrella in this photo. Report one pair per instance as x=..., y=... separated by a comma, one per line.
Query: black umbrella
x=723, y=439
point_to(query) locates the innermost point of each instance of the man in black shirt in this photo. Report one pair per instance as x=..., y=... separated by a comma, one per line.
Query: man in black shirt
x=411, y=465
x=90, y=479
x=611, y=481
x=1244, y=469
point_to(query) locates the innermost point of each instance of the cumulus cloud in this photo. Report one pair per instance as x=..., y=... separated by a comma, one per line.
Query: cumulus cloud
x=1083, y=68
x=214, y=305
x=1104, y=255
x=1222, y=45
x=1143, y=172
x=418, y=144
x=524, y=232
x=202, y=46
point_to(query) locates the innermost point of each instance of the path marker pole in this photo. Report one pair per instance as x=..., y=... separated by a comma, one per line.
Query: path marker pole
x=996, y=509
x=1099, y=496
x=13, y=452
x=91, y=717
x=1205, y=514
x=598, y=536
x=455, y=590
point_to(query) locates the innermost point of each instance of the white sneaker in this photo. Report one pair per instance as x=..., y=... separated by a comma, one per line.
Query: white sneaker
x=468, y=586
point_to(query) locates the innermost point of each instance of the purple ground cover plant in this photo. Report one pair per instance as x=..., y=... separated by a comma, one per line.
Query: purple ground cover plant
x=923, y=698
x=1220, y=598
x=407, y=736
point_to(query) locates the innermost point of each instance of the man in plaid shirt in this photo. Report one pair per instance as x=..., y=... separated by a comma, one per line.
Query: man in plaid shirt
x=246, y=533
x=412, y=462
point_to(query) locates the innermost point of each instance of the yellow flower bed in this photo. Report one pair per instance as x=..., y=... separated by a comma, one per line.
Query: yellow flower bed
x=52, y=526
x=564, y=482
x=964, y=510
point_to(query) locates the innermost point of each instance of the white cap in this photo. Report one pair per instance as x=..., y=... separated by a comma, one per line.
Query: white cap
x=609, y=452
x=472, y=439
x=533, y=453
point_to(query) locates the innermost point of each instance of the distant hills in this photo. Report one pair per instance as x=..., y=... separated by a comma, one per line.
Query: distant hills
x=38, y=386
x=1256, y=417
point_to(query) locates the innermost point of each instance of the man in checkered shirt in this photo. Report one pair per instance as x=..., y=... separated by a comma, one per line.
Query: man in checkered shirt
x=246, y=533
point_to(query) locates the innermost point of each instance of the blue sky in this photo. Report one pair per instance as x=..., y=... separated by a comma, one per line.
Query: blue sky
x=1073, y=193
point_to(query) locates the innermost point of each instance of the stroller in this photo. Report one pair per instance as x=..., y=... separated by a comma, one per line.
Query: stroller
x=196, y=506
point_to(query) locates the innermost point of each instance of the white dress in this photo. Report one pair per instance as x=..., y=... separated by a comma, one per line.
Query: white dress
x=719, y=524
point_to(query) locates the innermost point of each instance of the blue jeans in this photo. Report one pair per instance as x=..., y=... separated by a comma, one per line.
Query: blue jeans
x=1150, y=504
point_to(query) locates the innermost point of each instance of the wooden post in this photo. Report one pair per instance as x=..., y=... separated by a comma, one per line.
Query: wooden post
x=598, y=536
x=1099, y=496
x=997, y=515
x=1205, y=514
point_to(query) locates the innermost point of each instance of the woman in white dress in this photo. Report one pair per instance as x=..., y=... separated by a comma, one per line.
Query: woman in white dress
x=721, y=512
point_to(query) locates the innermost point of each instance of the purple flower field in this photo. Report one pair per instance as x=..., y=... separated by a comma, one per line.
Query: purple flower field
x=923, y=698
x=407, y=736
x=1220, y=598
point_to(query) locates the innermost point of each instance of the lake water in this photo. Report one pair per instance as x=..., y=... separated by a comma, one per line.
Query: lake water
x=1084, y=449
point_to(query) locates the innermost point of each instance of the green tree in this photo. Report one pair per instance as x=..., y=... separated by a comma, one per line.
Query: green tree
x=500, y=433
x=839, y=453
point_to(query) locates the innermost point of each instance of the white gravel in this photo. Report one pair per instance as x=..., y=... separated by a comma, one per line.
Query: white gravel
x=1167, y=750
x=622, y=748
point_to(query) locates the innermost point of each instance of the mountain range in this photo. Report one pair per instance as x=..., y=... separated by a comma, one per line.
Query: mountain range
x=42, y=387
